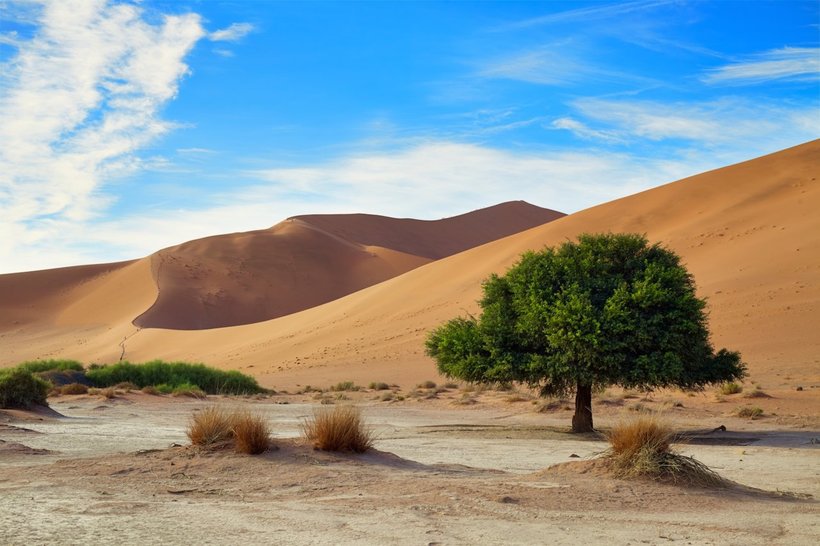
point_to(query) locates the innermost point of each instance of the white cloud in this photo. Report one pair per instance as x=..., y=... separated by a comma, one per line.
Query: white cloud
x=76, y=101
x=580, y=129
x=788, y=63
x=595, y=12
x=233, y=33
x=545, y=66
x=730, y=123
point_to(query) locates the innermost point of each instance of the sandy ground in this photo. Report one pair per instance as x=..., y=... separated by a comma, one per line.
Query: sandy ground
x=121, y=470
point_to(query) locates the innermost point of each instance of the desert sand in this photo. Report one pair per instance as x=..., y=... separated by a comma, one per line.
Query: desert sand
x=122, y=470
x=750, y=234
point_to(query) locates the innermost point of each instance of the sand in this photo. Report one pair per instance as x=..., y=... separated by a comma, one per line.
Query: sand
x=749, y=233
x=122, y=470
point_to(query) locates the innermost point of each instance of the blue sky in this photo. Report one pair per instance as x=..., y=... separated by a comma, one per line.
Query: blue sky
x=126, y=127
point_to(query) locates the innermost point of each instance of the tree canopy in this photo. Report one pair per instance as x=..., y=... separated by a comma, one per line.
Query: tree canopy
x=610, y=309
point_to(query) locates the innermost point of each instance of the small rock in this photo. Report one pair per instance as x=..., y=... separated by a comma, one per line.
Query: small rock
x=574, y=456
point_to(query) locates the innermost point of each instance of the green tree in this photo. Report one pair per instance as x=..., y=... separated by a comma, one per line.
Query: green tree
x=610, y=309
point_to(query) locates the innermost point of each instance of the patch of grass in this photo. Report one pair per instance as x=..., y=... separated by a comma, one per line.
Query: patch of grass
x=251, y=433
x=186, y=389
x=378, y=386
x=36, y=366
x=638, y=407
x=20, y=388
x=730, y=388
x=387, y=396
x=450, y=385
x=175, y=374
x=756, y=393
x=426, y=385
x=108, y=393
x=308, y=389
x=210, y=427
x=74, y=388
x=467, y=399
x=152, y=390
x=642, y=448
x=750, y=412
x=338, y=429
x=345, y=386
x=126, y=386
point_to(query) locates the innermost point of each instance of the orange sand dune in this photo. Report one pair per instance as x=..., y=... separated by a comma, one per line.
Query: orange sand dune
x=750, y=233
x=305, y=261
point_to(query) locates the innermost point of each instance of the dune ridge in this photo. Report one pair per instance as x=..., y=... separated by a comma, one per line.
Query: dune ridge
x=749, y=233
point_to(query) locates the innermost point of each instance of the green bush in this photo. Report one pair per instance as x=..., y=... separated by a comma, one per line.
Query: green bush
x=21, y=389
x=171, y=375
x=35, y=366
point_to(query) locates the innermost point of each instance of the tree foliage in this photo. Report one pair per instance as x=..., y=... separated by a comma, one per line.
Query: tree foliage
x=610, y=309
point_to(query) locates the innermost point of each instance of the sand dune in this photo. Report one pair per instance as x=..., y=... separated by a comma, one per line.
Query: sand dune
x=750, y=233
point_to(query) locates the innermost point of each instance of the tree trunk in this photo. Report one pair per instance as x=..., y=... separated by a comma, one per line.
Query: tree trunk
x=582, y=420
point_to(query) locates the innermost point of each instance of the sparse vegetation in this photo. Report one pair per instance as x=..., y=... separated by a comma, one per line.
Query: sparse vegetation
x=37, y=366
x=20, y=388
x=756, y=393
x=345, y=386
x=750, y=412
x=642, y=448
x=426, y=385
x=338, y=429
x=378, y=386
x=150, y=389
x=74, y=388
x=251, y=433
x=186, y=389
x=175, y=374
x=210, y=427
x=730, y=387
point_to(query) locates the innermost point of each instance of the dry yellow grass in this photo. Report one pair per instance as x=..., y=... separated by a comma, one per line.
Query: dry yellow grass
x=642, y=447
x=210, y=427
x=338, y=429
x=250, y=432
x=74, y=388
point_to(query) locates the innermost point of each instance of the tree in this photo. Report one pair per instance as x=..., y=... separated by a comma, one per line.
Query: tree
x=610, y=309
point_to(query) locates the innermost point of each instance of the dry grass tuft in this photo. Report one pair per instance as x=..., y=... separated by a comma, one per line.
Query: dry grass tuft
x=642, y=447
x=210, y=427
x=73, y=388
x=730, y=388
x=750, y=412
x=338, y=429
x=108, y=393
x=250, y=432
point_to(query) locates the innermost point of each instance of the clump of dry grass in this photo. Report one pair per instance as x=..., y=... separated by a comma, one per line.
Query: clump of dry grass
x=250, y=432
x=750, y=412
x=338, y=429
x=730, y=388
x=108, y=393
x=210, y=427
x=74, y=388
x=642, y=447
x=426, y=385
x=214, y=428
x=152, y=390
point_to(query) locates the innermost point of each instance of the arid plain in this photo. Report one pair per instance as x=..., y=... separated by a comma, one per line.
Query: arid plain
x=320, y=299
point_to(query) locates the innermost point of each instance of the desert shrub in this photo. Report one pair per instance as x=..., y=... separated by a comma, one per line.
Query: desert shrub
x=250, y=432
x=186, y=389
x=74, y=388
x=378, y=386
x=756, y=393
x=58, y=378
x=642, y=448
x=387, y=396
x=108, y=393
x=175, y=374
x=750, y=412
x=730, y=388
x=21, y=389
x=345, y=386
x=338, y=429
x=210, y=427
x=150, y=389
x=426, y=385
x=35, y=366
x=126, y=386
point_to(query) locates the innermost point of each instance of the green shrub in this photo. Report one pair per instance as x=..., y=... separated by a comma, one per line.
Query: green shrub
x=175, y=374
x=730, y=388
x=34, y=366
x=21, y=389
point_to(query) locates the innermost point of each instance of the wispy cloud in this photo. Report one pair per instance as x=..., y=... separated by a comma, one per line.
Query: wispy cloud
x=788, y=63
x=233, y=33
x=582, y=130
x=77, y=101
x=598, y=11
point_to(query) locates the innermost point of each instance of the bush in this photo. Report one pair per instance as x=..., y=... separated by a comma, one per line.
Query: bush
x=74, y=388
x=338, y=429
x=750, y=412
x=186, y=389
x=426, y=385
x=730, y=388
x=21, y=389
x=175, y=374
x=210, y=427
x=345, y=386
x=251, y=433
x=58, y=378
x=642, y=447
x=35, y=366
x=378, y=386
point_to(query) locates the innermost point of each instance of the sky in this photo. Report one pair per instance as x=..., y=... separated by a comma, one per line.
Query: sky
x=129, y=126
